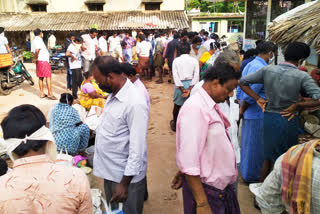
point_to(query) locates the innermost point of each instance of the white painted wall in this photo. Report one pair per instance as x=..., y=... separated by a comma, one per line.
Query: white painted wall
x=20, y=6
x=222, y=27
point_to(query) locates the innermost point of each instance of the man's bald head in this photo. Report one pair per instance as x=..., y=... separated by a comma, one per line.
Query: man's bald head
x=106, y=65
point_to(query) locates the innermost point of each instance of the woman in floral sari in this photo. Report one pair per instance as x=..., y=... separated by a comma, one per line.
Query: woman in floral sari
x=91, y=94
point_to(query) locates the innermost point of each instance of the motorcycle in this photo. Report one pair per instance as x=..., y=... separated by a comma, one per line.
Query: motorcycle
x=11, y=76
x=57, y=59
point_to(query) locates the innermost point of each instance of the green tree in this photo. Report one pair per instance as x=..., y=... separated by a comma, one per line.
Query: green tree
x=218, y=7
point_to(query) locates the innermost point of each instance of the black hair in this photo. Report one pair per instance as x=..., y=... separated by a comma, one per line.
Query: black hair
x=176, y=36
x=242, y=52
x=206, y=33
x=215, y=45
x=184, y=48
x=184, y=33
x=258, y=42
x=107, y=64
x=3, y=167
x=191, y=35
x=196, y=40
x=104, y=33
x=128, y=69
x=214, y=36
x=51, y=33
x=266, y=47
x=123, y=43
x=70, y=34
x=78, y=39
x=250, y=53
x=222, y=72
x=142, y=37
x=93, y=30
x=87, y=74
x=1, y=29
x=66, y=98
x=157, y=35
x=23, y=121
x=297, y=51
x=37, y=32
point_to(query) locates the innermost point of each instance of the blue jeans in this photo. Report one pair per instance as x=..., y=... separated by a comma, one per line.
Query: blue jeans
x=69, y=78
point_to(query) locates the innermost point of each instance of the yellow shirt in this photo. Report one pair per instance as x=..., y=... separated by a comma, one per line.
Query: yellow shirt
x=36, y=185
x=205, y=57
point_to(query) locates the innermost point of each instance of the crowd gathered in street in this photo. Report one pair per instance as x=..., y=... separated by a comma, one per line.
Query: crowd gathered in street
x=235, y=115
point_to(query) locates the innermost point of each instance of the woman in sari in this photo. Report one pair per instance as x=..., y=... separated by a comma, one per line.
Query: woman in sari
x=91, y=94
x=208, y=57
x=70, y=134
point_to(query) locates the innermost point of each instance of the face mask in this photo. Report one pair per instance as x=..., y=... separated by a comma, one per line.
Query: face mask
x=150, y=38
x=2, y=34
x=271, y=60
x=106, y=88
x=165, y=37
x=198, y=46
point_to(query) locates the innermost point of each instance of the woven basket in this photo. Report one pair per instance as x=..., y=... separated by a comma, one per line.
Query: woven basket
x=5, y=60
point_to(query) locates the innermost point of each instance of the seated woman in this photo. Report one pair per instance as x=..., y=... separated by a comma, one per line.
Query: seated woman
x=35, y=184
x=70, y=133
x=91, y=94
x=207, y=59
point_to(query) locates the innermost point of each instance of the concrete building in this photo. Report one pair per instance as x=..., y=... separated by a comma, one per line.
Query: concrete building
x=57, y=6
x=228, y=24
x=20, y=17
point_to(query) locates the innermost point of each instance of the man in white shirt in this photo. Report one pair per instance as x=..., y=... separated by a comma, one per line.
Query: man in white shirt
x=121, y=139
x=113, y=43
x=43, y=68
x=103, y=44
x=4, y=45
x=74, y=58
x=185, y=71
x=89, y=48
x=51, y=42
x=143, y=50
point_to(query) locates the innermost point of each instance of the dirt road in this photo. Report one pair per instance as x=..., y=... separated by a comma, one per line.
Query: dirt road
x=161, y=143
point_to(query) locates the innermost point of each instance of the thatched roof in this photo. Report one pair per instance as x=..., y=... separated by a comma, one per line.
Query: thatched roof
x=300, y=24
x=77, y=21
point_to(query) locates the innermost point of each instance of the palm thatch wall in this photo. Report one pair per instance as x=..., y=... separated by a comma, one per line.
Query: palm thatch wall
x=301, y=24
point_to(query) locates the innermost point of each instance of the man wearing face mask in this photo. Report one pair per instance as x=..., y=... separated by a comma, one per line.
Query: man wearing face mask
x=196, y=44
x=74, y=59
x=283, y=84
x=121, y=140
x=251, y=139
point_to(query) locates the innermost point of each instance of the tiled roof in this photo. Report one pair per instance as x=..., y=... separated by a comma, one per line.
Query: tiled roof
x=124, y=20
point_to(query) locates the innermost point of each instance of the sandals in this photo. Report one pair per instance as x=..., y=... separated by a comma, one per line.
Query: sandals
x=51, y=97
x=44, y=96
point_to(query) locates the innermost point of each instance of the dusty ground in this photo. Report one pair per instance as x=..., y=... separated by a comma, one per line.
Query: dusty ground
x=161, y=143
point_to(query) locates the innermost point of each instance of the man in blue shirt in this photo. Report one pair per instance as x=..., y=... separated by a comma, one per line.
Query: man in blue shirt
x=251, y=139
x=248, y=57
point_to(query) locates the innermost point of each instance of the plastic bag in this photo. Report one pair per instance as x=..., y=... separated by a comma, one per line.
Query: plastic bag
x=108, y=208
x=93, y=117
x=81, y=111
x=97, y=199
x=64, y=159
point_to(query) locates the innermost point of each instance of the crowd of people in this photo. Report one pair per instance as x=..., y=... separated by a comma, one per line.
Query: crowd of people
x=234, y=113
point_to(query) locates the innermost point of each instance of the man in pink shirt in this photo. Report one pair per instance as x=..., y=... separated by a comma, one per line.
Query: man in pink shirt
x=205, y=154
